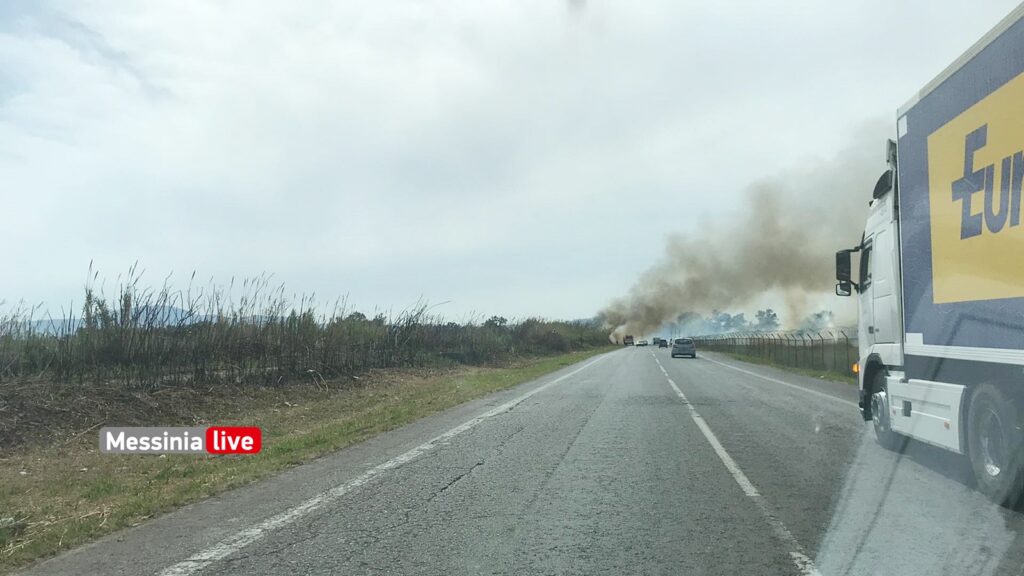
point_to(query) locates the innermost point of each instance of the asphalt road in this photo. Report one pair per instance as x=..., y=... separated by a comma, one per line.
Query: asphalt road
x=631, y=463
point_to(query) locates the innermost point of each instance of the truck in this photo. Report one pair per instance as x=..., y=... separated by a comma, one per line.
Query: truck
x=940, y=268
x=627, y=341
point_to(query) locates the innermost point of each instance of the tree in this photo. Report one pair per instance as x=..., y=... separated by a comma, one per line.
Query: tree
x=725, y=322
x=767, y=320
x=496, y=322
x=818, y=320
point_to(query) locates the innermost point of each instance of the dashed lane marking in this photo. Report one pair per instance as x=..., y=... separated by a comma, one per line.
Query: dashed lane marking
x=800, y=559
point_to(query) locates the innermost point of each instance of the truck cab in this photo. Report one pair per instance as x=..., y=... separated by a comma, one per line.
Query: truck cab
x=877, y=282
x=897, y=406
x=878, y=272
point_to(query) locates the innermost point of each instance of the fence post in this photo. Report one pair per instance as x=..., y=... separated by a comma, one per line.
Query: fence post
x=821, y=340
x=832, y=338
x=846, y=350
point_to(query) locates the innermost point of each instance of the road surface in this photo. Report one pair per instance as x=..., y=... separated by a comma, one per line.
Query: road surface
x=629, y=463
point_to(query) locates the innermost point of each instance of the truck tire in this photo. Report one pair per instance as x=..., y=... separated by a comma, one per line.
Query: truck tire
x=880, y=415
x=994, y=443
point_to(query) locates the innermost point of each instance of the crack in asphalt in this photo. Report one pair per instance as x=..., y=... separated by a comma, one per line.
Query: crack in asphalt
x=372, y=537
x=548, y=474
x=453, y=481
x=499, y=447
x=310, y=530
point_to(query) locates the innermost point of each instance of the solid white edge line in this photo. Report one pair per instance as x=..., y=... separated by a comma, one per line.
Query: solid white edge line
x=803, y=563
x=784, y=383
x=240, y=540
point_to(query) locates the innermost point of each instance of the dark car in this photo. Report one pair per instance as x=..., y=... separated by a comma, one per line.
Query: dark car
x=662, y=343
x=684, y=347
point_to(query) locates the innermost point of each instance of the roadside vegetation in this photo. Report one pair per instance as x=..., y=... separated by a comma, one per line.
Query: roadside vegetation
x=124, y=355
x=314, y=379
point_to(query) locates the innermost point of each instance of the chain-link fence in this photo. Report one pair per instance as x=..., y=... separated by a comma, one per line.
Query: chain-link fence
x=825, y=350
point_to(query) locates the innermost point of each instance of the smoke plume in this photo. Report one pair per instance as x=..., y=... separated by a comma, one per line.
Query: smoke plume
x=779, y=248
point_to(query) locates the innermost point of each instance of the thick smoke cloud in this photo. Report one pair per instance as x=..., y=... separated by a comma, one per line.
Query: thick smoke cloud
x=779, y=246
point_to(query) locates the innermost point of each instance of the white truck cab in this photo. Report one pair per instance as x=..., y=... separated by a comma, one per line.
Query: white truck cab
x=879, y=324
x=917, y=408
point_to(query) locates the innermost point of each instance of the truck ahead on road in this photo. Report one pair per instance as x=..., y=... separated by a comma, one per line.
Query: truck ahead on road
x=627, y=341
x=940, y=284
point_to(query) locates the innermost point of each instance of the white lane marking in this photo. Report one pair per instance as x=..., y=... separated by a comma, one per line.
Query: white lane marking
x=803, y=563
x=240, y=540
x=784, y=383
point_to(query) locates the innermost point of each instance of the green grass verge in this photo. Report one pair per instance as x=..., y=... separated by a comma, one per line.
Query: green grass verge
x=812, y=373
x=63, y=496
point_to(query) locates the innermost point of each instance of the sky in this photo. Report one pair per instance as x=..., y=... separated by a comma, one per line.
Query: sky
x=522, y=158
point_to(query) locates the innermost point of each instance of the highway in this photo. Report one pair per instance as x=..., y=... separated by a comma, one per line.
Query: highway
x=629, y=463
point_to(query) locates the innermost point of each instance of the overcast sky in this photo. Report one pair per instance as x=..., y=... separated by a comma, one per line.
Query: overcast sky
x=520, y=157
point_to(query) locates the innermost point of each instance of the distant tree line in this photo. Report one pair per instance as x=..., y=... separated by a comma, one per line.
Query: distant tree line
x=719, y=322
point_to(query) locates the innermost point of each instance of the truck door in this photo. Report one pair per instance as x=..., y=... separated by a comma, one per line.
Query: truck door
x=884, y=309
x=865, y=328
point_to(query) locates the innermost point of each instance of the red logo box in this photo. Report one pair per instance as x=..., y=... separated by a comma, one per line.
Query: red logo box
x=233, y=439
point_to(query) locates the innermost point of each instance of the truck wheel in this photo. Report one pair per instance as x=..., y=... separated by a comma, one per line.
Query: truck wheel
x=993, y=443
x=880, y=415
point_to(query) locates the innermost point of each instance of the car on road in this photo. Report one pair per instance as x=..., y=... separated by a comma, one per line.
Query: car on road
x=684, y=347
x=662, y=343
x=642, y=343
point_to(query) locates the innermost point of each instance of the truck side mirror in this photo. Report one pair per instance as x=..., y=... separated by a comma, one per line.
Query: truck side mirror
x=843, y=266
x=846, y=285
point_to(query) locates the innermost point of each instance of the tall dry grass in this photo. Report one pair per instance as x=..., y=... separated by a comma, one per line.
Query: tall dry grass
x=143, y=338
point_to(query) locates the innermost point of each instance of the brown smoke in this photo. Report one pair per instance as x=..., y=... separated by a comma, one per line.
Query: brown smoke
x=781, y=245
